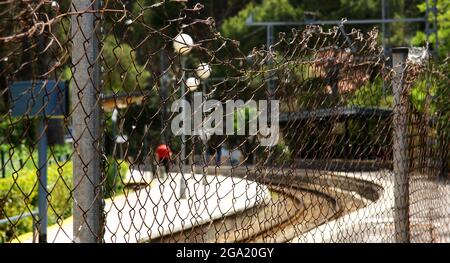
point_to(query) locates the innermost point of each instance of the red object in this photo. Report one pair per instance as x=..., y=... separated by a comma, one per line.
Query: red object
x=163, y=151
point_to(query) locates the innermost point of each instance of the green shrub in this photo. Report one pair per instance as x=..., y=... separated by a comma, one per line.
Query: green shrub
x=19, y=195
x=282, y=154
x=371, y=95
x=60, y=185
x=59, y=152
x=115, y=186
x=21, y=156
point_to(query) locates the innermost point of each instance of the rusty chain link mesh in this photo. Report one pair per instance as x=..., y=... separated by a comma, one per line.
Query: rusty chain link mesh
x=329, y=177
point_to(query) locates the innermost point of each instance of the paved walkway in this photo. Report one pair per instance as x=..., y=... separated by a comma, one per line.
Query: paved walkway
x=157, y=210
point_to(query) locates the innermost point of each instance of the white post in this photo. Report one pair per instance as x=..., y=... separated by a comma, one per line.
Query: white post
x=87, y=214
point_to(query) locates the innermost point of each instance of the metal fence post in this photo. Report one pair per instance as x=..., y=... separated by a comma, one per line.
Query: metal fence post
x=42, y=189
x=87, y=214
x=400, y=150
x=183, y=136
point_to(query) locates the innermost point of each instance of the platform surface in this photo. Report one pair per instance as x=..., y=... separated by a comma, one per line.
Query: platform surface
x=157, y=210
x=429, y=220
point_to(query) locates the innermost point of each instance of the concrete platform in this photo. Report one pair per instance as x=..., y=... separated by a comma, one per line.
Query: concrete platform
x=158, y=210
x=429, y=214
x=135, y=176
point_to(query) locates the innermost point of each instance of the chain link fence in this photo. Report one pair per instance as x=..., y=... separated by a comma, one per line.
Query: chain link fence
x=140, y=122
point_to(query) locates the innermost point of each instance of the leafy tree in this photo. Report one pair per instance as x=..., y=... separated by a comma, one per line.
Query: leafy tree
x=268, y=10
x=122, y=73
x=443, y=21
x=371, y=95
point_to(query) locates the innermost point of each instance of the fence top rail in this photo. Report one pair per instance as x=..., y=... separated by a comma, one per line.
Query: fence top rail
x=344, y=112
